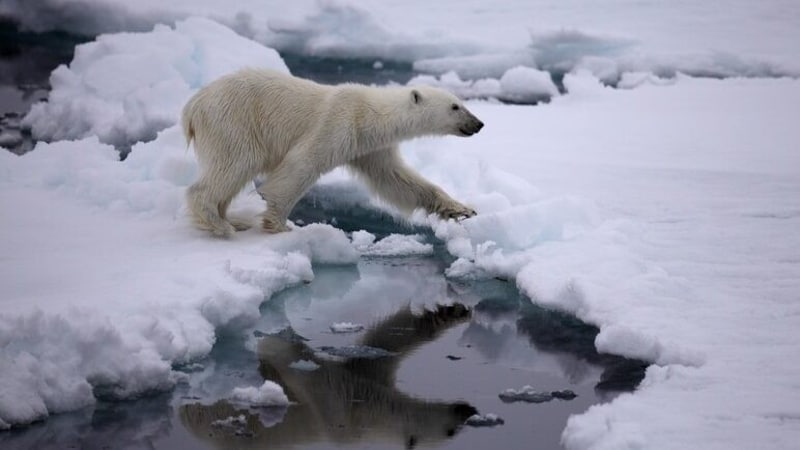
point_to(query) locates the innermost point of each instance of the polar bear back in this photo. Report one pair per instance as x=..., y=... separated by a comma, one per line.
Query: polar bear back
x=265, y=113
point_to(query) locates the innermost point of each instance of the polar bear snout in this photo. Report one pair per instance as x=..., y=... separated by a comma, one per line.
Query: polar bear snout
x=470, y=126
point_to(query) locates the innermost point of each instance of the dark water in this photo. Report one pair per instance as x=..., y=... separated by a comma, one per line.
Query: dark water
x=455, y=346
x=26, y=61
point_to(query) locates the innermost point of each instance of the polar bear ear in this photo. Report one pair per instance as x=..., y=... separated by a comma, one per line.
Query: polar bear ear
x=416, y=97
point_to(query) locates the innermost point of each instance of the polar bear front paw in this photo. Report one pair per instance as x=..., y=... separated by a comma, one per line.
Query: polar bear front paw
x=455, y=211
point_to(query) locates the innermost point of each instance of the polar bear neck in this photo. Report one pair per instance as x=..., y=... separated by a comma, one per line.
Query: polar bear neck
x=386, y=117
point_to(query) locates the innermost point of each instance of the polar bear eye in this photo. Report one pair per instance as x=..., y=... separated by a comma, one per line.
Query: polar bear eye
x=455, y=107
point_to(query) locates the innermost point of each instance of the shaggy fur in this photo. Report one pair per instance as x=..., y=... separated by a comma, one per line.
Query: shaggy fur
x=294, y=130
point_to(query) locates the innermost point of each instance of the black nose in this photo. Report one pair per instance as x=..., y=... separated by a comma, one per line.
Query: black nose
x=478, y=126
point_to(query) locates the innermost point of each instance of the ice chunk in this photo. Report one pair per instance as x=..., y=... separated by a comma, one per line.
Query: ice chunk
x=484, y=420
x=231, y=422
x=268, y=394
x=527, y=85
x=304, y=365
x=346, y=327
x=526, y=394
x=531, y=395
x=566, y=394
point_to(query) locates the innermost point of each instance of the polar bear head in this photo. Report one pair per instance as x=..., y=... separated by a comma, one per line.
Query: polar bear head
x=441, y=113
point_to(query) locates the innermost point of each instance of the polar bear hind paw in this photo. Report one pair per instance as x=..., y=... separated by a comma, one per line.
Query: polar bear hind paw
x=272, y=226
x=239, y=224
x=221, y=229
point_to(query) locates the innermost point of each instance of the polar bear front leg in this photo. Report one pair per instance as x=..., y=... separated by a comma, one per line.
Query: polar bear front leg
x=284, y=187
x=390, y=178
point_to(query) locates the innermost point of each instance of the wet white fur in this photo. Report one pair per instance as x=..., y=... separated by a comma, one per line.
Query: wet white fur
x=294, y=130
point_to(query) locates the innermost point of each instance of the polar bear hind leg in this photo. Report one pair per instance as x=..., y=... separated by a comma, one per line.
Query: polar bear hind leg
x=209, y=199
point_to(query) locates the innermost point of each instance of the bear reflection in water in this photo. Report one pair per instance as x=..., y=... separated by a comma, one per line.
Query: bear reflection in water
x=342, y=401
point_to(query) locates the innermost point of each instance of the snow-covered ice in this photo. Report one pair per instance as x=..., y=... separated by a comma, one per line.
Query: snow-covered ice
x=346, y=327
x=664, y=213
x=268, y=394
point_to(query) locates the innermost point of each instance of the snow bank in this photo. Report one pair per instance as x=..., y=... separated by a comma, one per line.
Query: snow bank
x=125, y=88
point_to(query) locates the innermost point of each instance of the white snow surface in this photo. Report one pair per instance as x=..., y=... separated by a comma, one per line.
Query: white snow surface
x=268, y=394
x=666, y=214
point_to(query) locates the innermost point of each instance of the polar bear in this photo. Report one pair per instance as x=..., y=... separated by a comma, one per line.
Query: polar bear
x=293, y=130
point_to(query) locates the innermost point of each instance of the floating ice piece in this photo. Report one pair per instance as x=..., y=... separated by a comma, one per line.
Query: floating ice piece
x=356, y=351
x=566, y=394
x=526, y=394
x=531, y=395
x=346, y=327
x=486, y=420
x=269, y=394
x=304, y=365
x=230, y=422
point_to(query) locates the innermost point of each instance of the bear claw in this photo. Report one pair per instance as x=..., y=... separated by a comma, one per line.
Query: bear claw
x=457, y=213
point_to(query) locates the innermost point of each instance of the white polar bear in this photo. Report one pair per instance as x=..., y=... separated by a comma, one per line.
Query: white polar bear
x=293, y=130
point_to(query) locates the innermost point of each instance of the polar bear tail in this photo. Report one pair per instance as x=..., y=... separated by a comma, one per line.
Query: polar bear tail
x=186, y=121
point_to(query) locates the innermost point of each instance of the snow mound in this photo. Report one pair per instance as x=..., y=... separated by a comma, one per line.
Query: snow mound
x=268, y=394
x=125, y=88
